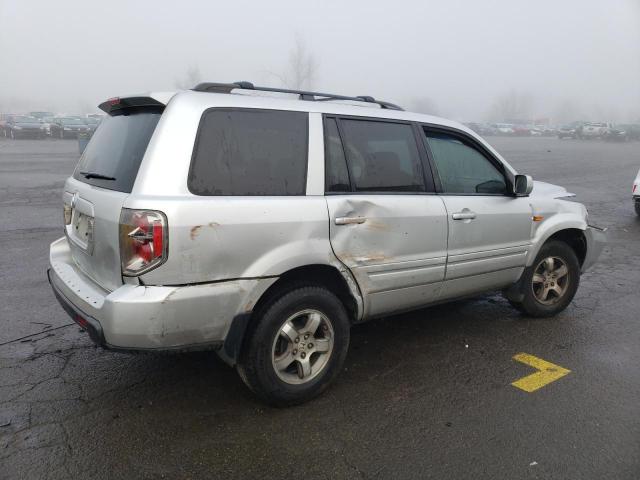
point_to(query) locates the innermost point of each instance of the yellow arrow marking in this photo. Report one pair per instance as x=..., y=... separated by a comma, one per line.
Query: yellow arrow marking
x=548, y=372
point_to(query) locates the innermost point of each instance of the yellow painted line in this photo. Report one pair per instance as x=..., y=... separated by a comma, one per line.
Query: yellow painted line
x=547, y=372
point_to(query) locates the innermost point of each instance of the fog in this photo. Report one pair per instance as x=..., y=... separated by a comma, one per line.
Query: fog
x=461, y=59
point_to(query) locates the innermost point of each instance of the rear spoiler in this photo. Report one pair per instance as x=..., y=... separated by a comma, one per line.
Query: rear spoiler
x=120, y=105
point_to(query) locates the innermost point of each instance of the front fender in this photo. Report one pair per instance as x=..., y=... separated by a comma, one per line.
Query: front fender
x=551, y=226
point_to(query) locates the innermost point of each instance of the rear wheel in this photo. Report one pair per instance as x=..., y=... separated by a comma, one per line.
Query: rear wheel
x=637, y=205
x=297, y=346
x=551, y=282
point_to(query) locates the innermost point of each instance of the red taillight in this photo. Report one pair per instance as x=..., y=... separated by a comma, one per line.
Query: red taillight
x=143, y=240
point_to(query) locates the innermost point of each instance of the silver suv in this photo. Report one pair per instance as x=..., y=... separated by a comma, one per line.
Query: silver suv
x=263, y=227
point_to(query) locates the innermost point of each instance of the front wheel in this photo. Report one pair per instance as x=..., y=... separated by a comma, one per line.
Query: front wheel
x=296, y=347
x=551, y=282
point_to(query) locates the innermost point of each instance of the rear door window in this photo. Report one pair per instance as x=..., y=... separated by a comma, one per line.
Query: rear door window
x=382, y=156
x=250, y=152
x=116, y=150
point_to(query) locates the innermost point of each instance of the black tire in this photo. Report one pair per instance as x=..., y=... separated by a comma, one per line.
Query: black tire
x=637, y=205
x=256, y=364
x=531, y=304
x=61, y=134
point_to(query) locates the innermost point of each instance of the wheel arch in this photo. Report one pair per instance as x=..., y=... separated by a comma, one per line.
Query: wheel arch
x=338, y=281
x=575, y=238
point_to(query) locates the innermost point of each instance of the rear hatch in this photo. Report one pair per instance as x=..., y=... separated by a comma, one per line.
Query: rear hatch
x=101, y=182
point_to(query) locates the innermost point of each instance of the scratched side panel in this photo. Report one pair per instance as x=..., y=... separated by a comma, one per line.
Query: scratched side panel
x=221, y=238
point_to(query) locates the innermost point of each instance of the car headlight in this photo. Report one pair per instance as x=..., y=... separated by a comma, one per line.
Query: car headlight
x=66, y=128
x=17, y=128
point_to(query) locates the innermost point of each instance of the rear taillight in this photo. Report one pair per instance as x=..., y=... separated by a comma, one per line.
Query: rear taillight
x=143, y=240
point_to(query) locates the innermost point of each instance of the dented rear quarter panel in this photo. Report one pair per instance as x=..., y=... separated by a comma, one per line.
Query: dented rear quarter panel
x=222, y=238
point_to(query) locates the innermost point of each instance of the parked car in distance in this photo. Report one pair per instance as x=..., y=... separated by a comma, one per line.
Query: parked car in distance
x=3, y=122
x=567, y=131
x=594, y=130
x=264, y=227
x=635, y=192
x=46, y=123
x=503, y=128
x=616, y=134
x=632, y=130
x=68, y=127
x=22, y=126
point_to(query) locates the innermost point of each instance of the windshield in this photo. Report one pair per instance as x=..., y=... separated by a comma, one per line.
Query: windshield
x=116, y=150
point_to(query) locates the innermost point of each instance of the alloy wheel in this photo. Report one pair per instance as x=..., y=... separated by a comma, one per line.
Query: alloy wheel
x=302, y=347
x=550, y=280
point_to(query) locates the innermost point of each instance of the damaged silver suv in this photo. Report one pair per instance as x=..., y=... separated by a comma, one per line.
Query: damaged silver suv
x=264, y=225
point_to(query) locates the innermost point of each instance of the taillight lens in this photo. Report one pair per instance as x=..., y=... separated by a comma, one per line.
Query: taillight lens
x=143, y=240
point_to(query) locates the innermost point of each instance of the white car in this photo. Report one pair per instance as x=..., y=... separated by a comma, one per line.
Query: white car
x=636, y=193
x=595, y=130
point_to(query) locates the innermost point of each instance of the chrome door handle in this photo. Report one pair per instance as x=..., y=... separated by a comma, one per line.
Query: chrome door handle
x=463, y=215
x=349, y=220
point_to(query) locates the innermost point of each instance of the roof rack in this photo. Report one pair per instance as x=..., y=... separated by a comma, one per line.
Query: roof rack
x=303, y=95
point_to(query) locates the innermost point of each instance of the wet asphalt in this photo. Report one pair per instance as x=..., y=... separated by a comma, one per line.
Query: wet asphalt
x=423, y=395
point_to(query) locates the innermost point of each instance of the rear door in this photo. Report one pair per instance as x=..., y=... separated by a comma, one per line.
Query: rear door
x=386, y=224
x=489, y=229
x=101, y=182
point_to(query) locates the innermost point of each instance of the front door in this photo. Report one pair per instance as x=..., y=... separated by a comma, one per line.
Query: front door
x=489, y=229
x=386, y=225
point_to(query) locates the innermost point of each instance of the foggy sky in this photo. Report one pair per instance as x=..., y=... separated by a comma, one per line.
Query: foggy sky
x=581, y=55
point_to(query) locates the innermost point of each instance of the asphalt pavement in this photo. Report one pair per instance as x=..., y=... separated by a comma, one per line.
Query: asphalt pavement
x=426, y=394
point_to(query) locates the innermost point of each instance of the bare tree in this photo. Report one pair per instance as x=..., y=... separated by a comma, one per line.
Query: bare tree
x=190, y=80
x=512, y=106
x=301, y=69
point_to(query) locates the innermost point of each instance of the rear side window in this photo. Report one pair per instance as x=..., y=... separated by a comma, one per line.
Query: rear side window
x=116, y=150
x=462, y=168
x=382, y=157
x=250, y=152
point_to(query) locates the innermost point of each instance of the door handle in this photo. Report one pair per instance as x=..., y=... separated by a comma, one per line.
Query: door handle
x=463, y=215
x=349, y=220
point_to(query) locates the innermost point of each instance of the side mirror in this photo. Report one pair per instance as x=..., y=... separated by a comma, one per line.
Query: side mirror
x=523, y=185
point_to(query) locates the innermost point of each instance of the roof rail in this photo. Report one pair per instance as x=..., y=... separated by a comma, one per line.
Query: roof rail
x=303, y=94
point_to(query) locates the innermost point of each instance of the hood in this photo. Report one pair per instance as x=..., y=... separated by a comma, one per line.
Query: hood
x=543, y=189
x=27, y=124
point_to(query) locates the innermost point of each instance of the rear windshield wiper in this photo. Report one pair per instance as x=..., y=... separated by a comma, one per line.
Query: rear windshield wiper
x=96, y=175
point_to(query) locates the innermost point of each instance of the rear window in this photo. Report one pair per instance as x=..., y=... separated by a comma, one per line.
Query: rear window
x=116, y=150
x=250, y=152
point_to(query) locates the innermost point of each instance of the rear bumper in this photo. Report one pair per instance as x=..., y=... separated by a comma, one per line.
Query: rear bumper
x=137, y=317
x=596, y=240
